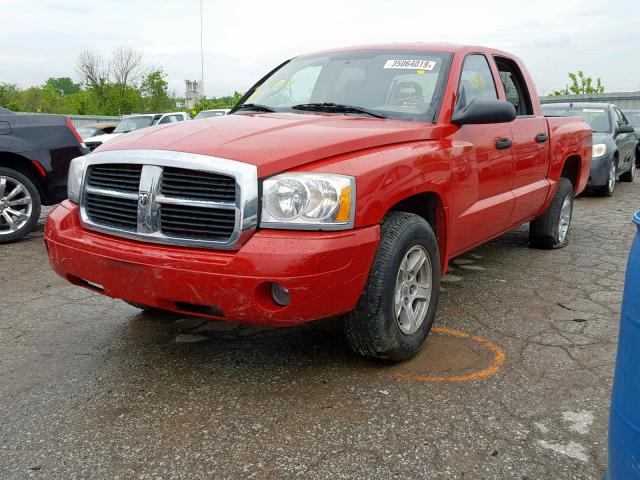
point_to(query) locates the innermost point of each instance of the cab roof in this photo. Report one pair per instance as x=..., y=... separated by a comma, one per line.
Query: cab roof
x=420, y=46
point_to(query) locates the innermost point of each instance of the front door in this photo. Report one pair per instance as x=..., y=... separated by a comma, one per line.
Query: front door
x=482, y=164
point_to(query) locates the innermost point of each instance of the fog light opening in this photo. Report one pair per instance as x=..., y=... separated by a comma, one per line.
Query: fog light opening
x=280, y=294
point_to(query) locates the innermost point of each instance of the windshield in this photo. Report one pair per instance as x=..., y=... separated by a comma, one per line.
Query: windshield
x=86, y=132
x=213, y=113
x=597, y=118
x=390, y=83
x=134, y=123
x=633, y=117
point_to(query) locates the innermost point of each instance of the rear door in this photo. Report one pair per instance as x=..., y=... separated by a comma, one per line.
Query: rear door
x=530, y=145
x=483, y=169
x=626, y=142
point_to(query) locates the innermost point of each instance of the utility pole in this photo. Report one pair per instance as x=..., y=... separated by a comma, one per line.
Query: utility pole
x=201, y=56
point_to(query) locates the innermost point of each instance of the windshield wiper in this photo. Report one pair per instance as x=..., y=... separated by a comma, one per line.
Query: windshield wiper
x=256, y=107
x=336, y=108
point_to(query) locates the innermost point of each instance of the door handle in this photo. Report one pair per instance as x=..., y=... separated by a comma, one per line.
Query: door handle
x=541, y=137
x=504, y=143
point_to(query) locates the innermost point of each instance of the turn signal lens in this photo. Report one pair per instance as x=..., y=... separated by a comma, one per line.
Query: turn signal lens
x=344, y=210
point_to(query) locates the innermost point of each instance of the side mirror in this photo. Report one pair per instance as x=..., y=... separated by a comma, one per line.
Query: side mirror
x=625, y=129
x=483, y=110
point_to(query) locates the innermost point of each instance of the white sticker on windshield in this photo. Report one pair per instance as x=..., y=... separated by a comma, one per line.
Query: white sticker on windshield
x=411, y=64
x=592, y=110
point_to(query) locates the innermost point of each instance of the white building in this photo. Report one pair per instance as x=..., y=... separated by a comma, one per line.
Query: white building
x=193, y=93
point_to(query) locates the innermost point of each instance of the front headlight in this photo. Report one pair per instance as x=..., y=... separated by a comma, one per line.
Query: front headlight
x=308, y=201
x=598, y=150
x=74, y=182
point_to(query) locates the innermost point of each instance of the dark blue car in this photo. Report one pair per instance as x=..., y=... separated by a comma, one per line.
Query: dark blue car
x=614, y=142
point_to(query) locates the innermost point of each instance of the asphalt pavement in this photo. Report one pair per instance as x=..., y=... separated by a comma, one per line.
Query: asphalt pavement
x=513, y=383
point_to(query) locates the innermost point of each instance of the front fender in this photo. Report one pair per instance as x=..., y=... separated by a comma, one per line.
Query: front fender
x=388, y=175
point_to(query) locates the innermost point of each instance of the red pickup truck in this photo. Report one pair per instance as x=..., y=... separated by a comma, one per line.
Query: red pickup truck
x=342, y=183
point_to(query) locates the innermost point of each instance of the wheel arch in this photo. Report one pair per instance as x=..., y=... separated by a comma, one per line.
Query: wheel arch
x=23, y=165
x=571, y=170
x=430, y=206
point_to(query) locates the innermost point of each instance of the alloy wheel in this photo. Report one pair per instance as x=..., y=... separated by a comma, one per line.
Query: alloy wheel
x=16, y=205
x=611, y=181
x=413, y=290
x=565, y=219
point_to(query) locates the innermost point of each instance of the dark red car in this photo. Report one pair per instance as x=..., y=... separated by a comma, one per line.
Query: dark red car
x=342, y=183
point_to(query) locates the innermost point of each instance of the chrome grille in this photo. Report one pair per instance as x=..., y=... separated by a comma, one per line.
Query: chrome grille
x=178, y=182
x=211, y=223
x=116, y=177
x=170, y=197
x=112, y=211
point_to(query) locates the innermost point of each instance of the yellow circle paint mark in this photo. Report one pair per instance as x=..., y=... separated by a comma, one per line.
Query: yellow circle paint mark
x=487, y=372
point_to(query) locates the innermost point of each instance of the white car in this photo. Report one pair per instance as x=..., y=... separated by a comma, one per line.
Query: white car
x=216, y=112
x=136, y=122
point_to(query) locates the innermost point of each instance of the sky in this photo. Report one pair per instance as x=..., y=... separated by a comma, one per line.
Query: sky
x=244, y=39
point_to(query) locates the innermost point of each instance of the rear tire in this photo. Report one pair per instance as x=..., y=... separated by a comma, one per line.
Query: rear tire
x=398, y=304
x=20, y=205
x=551, y=230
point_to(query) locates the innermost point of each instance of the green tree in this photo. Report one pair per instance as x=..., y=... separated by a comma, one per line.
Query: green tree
x=9, y=94
x=581, y=84
x=155, y=91
x=228, y=101
x=62, y=85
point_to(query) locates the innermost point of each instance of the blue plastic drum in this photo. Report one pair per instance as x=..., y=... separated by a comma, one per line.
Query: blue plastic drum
x=624, y=422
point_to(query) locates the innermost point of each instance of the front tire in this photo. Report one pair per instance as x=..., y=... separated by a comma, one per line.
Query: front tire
x=398, y=304
x=551, y=230
x=631, y=174
x=19, y=205
x=609, y=187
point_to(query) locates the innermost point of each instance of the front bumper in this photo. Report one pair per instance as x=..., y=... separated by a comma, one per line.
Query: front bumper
x=599, y=172
x=325, y=272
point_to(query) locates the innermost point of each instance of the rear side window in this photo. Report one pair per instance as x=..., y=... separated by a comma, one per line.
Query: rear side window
x=514, y=86
x=476, y=81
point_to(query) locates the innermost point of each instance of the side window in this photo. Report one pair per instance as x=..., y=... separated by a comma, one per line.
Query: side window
x=514, y=86
x=169, y=119
x=476, y=81
x=622, y=120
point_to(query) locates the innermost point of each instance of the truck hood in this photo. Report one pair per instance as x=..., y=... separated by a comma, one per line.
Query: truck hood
x=276, y=142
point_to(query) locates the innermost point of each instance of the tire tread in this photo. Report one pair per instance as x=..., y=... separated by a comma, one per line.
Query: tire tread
x=362, y=326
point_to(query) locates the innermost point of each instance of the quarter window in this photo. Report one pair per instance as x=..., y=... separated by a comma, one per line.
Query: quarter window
x=621, y=120
x=476, y=81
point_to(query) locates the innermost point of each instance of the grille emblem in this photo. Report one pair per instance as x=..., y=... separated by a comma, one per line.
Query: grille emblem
x=143, y=199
